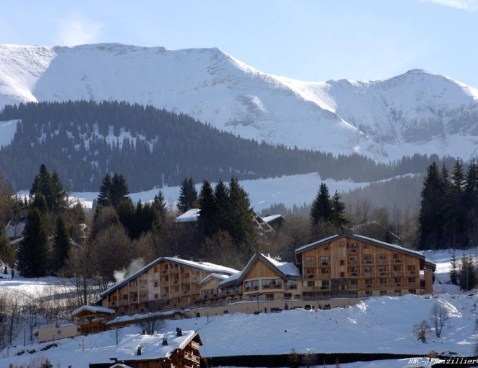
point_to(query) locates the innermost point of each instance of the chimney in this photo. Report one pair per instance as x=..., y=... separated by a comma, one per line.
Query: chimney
x=140, y=351
x=179, y=332
x=165, y=341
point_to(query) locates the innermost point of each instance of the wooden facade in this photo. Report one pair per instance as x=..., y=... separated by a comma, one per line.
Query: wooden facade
x=347, y=266
x=166, y=283
x=356, y=266
x=170, y=350
x=265, y=278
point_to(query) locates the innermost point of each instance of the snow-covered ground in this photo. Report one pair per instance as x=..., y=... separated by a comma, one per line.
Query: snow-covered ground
x=378, y=325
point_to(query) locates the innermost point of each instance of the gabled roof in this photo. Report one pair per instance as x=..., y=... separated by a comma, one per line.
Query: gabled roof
x=205, y=266
x=189, y=216
x=379, y=243
x=92, y=309
x=283, y=269
x=152, y=346
x=213, y=276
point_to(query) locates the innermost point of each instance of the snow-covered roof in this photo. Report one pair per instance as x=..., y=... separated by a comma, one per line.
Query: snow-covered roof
x=270, y=218
x=360, y=238
x=189, y=216
x=93, y=309
x=213, y=276
x=285, y=269
x=152, y=346
x=15, y=230
x=206, y=266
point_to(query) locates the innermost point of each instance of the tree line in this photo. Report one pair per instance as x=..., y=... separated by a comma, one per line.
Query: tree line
x=84, y=140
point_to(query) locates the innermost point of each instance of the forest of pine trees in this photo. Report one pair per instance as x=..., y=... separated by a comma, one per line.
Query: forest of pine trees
x=448, y=215
x=83, y=141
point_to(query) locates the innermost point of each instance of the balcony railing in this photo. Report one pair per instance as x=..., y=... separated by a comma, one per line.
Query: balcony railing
x=195, y=345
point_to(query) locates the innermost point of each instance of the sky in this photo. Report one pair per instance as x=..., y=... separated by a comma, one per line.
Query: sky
x=312, y=40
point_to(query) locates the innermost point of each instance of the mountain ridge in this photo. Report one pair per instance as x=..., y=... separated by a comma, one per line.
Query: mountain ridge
x=415, y=112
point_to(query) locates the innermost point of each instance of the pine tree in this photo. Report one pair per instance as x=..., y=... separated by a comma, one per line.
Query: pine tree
x=104, y=197
x=338, y=218
x=61, y=245
x=187, y=195
x=33, y=251
x=160, y=206
x=467, y=273
x=431, y=217
x=207, y=220
x=321, y=209
x=456, y=215
x=453, y=270
x=471, y=201
x=221, y=197
x=240, y=219
x=119, y=189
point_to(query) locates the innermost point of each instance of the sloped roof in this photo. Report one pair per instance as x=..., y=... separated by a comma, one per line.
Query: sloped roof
x=205, y=266
x=93, y=309
x=189, y=216
x=360, y=238
x=152, y=346
x=213, y=276
x=284, y=269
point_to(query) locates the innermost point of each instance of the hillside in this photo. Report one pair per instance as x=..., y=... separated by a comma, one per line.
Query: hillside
x=83, y=141
x=378, y=325
x=417, y=112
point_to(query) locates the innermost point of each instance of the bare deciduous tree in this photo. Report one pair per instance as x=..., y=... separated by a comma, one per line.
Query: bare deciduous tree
x=420, y=330
x=151, y=323
x=439, y=316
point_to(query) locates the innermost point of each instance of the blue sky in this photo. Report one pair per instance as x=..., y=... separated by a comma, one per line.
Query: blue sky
x=313, y=40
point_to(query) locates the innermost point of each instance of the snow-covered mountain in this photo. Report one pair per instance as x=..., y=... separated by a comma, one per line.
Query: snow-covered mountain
x=417, y=112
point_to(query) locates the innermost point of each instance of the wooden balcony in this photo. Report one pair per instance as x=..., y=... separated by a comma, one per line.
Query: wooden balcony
x=310, y=264
x=195, y=345
x=191, y=357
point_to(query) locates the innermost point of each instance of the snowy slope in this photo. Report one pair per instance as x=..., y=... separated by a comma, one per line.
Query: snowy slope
x=415, y=112
x=378, y=325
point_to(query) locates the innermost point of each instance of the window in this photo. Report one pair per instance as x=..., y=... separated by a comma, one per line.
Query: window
x=58, y=332
x=310, y=283
x=324, y=259
x=291, y=284
x=155, y=269
x=324, y=270
x=156, y=296
x=382, y=257
x=269, y=297
x=325, y=284
x=383, y=292
x=341, y=244
x=367, y=258
x=342, y=274
x=367, y=269
x=411, y=279
x=352, y=258
x=382, y=281
x=309, y=259
x=155, y=284
x=326, y=247
x=368, y=293
x=368, y=282
x=309, y=272
x=396, y=280
x=287, y=296
x=353, y=282
x=342, y=262
x=382, y=269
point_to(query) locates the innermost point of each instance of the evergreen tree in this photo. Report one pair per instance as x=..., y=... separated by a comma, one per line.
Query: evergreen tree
x=221, y=198
x=240, y=219
x=119, y=189
x=39, y=202
x=7, y=252
x=187, y=195
x=431, y=217
x=61, y=245
x=321, y=209
x=49, y=185
x=456, y=215
x=33, y=251
x=160, y=206
x=58, y=195
x=104, y=197
x=453, y=270
x=338, y=218
x=471, y=201
x=207, y=220
x=467, y=273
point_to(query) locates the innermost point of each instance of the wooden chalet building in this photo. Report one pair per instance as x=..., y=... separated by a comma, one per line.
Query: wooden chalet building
x=178, y=349
x=265, y=278
x=92, y=319
x=357, y=266
x=166, y=283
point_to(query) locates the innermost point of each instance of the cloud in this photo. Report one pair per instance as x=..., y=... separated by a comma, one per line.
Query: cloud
x=77, y=30
x=470, y=5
